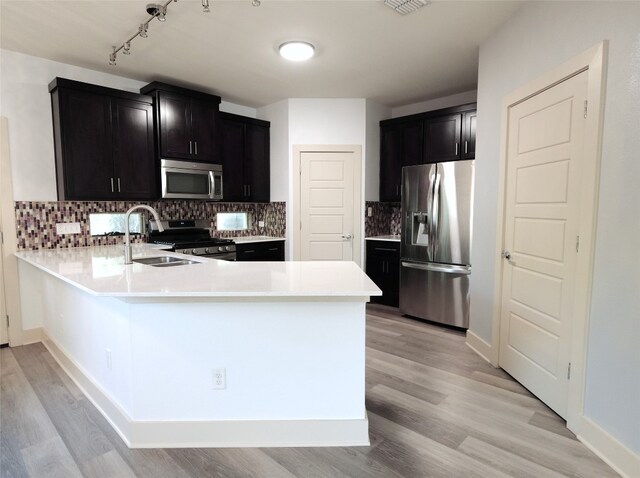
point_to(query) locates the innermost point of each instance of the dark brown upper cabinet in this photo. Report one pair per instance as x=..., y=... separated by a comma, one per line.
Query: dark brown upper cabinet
x=400, y=145
x=431, y=137
x=245, y=158
x=469, y=135
x=187, y=123
x=442, y=138
x=104, y=143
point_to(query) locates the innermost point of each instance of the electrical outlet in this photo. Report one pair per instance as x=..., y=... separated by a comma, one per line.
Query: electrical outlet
x=219, y=378
x=63, y=228
x=260, y=223
x=369, y=211
x=107, y=353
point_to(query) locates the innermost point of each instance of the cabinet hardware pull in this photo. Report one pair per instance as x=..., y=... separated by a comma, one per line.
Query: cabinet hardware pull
x=249, y=251
x=386, y=249
x=112, y=190
x=457, y=148
x=397, y=190
x=273, y=249
x=196, y=147
x=190, y=147
x=249, y=188
x=118, y=184
x=466, y=147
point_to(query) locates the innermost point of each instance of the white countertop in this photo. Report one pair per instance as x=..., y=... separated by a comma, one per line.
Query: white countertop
x=250, y=239
x=392, y=238
x=101, y=271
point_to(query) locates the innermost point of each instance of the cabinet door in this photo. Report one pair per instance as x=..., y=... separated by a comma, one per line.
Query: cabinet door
x=469, y=135
x=204, y=118
x=412, y=145
x=232, y=151
x=175, y=126
x=133, y=150
x=442, y=138
x=257, y=163
x=87, y=152
x=383, y=267
x=392, y=283
x=390, y=163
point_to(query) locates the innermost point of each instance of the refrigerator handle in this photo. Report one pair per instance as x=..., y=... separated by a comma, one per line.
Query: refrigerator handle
x=431, y=267
x=435, y=213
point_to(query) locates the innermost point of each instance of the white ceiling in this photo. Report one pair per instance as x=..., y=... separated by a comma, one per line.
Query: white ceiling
x=364, y=49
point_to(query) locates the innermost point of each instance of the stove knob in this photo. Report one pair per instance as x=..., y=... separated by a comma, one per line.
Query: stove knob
x=194, y=252
x=206, y=250
x=227, y=248
x=220, y=249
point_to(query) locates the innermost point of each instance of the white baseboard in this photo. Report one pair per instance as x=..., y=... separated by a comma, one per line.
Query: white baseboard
x=219, y=433
x=481, y=347
x=622, y=459
x=31, y=336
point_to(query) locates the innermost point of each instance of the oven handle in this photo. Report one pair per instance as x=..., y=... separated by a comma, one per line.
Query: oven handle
x=229, y=256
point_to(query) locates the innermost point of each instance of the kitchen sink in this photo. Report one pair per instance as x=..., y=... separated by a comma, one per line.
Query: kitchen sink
x=165, y=261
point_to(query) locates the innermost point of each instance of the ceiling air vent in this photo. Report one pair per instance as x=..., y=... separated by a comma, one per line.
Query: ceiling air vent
x=403, y=7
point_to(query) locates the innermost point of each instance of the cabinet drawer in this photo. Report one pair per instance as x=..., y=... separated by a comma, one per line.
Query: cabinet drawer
x=260, y=251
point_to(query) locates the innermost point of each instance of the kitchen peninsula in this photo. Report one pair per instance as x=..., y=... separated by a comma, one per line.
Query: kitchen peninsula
x=209, y=354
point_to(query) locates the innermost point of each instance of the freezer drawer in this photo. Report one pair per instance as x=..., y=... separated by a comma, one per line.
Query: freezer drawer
x=435, y=292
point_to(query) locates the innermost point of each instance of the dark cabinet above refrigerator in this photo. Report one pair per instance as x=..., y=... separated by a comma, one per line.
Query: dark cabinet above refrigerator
x=432, y=137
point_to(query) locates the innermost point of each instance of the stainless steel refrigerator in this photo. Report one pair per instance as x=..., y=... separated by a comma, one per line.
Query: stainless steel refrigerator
x=437, y=209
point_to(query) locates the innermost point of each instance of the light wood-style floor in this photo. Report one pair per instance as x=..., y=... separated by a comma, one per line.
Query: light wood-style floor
x=435, y=410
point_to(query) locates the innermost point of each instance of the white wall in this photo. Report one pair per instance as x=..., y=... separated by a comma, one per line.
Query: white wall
x=539, y=37
x=238, y=109
x=327, y=121
x=25, y=101
x=435, y=104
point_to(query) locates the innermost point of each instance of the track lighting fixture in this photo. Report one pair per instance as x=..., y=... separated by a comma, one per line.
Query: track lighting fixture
x=158, y=11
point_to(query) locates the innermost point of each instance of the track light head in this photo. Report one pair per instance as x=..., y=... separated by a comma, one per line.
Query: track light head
x=205, y=6
x=143, y=30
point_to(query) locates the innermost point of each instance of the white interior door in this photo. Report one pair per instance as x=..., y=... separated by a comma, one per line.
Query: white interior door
x=544, y=148
x=328, y=223
x=4, y=332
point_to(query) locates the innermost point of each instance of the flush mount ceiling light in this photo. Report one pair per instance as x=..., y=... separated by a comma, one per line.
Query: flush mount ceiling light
x=297, y=50
x=159, y=12
x=403, y=7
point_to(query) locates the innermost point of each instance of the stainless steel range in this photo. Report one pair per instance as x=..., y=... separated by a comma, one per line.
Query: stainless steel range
x=188, y=236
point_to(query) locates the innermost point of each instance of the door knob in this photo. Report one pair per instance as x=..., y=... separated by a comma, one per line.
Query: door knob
x=506, y=255
x=346, y=237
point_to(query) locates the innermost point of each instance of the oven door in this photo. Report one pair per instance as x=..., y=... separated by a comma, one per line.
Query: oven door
x=184, y=180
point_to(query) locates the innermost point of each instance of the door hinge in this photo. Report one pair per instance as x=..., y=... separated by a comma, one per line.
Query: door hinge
x=7, y=321
x=586, y=108
x=577, y=243
x=569, y=371
x=301, y=225
x=1, y=238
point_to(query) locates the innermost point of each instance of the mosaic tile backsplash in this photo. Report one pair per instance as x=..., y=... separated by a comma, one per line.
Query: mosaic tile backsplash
x=36, y=221
x=385, y=219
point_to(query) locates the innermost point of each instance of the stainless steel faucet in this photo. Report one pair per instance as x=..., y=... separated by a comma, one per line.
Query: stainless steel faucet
x=127, y=238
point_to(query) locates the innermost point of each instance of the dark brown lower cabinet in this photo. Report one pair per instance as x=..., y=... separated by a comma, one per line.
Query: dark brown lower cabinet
x=260, y=251
x=383, y=267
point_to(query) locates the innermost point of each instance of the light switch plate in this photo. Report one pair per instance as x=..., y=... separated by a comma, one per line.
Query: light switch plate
x=260, y=223
x=369, y=211
x=67, y=228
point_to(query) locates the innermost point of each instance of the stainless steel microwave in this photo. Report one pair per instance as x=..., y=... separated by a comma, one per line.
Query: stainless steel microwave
x=187, y=180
